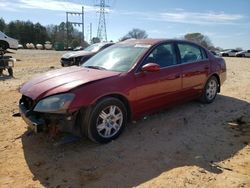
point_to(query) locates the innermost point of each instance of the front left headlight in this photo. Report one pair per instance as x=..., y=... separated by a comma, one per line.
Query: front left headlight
x=55, y=104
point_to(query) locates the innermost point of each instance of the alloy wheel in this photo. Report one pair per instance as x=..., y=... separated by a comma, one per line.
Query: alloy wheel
x=109, y=121
x=211, y=89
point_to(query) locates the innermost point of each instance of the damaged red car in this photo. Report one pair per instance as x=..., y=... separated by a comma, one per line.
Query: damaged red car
x=123, y=82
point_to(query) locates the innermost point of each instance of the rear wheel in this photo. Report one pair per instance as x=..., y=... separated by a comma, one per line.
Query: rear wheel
x=210, y=90
x=3, y=45
x=105, y=121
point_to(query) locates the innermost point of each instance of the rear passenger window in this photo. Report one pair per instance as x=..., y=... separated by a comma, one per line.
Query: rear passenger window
x=191, y=53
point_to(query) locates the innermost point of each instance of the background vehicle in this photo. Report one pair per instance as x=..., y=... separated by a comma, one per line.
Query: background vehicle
x=229, y=53
x=7, y=42
x=78, y=48
x=6, y=62
x=245, y=53
x=215, y=53
x=79, y=57
x=123, y=82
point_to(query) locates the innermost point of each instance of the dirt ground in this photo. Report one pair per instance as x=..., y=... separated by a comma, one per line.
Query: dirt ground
x=190, y=145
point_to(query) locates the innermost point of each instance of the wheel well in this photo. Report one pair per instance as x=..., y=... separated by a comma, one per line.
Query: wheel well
x=218, y=79
x=5, y=43
x=123, y=99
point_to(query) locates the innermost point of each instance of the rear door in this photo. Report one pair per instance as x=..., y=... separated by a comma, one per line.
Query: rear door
x=195, y=67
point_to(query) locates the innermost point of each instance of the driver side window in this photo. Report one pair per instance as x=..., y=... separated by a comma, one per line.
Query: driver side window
x=163, y=55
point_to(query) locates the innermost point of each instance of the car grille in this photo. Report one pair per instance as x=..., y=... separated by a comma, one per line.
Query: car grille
x=68, y=60
x=27, y=102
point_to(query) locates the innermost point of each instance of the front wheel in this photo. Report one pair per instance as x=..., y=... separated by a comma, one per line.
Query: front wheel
x=105, y=121
x=210, y=90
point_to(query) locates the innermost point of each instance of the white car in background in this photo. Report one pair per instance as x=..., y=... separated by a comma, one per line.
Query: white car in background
x=245, y=53
x=229, y=53
x=7, y=42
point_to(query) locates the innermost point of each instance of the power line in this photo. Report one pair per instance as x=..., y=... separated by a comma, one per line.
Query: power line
x=102, y=32
x=75, y=23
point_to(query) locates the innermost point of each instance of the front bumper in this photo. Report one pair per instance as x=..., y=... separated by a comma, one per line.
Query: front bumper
x=42, y=122
x=34, y=124
x=7, y=62
x=67, y=62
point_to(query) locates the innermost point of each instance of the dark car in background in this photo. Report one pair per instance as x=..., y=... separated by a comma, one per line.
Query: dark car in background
x=123, y=82
x=79, y=57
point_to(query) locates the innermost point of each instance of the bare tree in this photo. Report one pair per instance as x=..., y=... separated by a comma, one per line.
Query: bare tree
x=199, y=39
x=135, y=33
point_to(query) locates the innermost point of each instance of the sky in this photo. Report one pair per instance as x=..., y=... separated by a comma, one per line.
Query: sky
x=225, y=22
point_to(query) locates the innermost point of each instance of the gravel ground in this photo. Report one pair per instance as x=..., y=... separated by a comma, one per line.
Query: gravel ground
x=190, y=145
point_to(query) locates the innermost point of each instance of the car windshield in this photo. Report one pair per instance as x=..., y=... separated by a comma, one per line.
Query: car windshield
x=119, y=58
x=94, y=47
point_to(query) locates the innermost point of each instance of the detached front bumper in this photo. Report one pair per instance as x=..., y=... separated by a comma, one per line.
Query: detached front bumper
x=35, y=124
x=42, y=122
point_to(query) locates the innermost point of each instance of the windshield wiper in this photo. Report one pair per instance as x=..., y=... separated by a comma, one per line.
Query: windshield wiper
x=95, y=67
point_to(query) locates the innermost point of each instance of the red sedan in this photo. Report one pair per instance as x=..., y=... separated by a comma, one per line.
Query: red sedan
x=123, y=82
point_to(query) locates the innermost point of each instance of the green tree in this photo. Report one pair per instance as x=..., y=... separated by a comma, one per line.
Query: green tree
x=2, y=25
x=27, y=32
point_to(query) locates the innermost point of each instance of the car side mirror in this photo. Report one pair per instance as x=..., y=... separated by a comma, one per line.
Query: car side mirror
x=151, y=67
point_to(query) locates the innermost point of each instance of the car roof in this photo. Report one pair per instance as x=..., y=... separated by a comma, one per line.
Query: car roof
x=103, y=43
x=143, y=41
x=152, y=42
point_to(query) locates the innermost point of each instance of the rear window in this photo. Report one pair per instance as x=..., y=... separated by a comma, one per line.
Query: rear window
x=191, y=53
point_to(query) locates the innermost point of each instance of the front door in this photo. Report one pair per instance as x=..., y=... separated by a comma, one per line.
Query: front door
x=158, y=89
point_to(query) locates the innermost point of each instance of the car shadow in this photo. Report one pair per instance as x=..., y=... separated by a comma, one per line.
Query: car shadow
x=191, y=134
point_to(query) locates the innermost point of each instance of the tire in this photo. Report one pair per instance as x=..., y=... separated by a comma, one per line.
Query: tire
x=10, y=71
x=210, y=90
x=3, y=45
x=105, y=121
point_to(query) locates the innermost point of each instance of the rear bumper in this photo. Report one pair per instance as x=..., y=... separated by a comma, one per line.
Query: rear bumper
x=223, y=77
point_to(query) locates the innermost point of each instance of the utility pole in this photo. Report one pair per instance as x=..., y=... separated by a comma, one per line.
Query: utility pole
x=90, y=32
x=74, y=24
x=101, y=32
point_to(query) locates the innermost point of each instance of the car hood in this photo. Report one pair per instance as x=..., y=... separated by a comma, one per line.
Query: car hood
x=62, y=80
x=77, y=54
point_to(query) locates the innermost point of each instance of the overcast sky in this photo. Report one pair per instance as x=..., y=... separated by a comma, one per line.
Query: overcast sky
x=225, y=22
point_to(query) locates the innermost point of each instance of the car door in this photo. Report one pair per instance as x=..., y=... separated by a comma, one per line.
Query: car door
x=158, y=89
x=248, y=53
x=195, y=68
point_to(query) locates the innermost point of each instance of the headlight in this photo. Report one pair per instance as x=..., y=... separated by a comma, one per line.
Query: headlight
x=55, y=104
